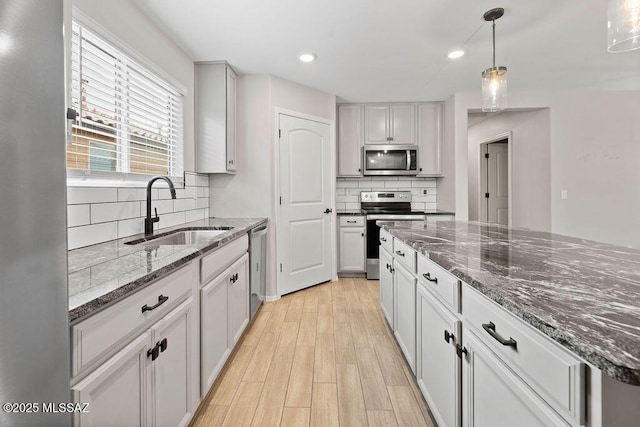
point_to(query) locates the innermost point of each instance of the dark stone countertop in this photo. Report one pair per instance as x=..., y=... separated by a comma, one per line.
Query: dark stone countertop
x=355, y=212
x=583, y=294
x=106, y=272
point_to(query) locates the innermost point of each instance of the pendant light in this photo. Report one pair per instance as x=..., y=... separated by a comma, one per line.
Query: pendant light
x=623, y=25
x=494, y=79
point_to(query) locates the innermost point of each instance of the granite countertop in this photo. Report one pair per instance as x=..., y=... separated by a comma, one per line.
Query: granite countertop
x=438, y=212
x=583, y=294
x=103, y=273
x=349, y=212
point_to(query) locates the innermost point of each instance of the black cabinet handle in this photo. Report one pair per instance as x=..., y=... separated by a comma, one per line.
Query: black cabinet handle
x=429, y=278
x=392, y=269
x=448, y=336
x=351, y=222
x=382, y=239
x=491, y=330
x=161, y=300
x=460, y=350
x=400, y=253
x=163, y=345
x=154, y=352
x=362, y=234
x=388, y=266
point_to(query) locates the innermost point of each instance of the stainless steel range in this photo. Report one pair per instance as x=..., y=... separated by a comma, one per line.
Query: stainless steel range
x=384, y=205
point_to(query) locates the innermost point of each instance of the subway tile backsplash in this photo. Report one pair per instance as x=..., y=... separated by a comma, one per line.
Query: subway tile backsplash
x=99, y=214
x=423, y=190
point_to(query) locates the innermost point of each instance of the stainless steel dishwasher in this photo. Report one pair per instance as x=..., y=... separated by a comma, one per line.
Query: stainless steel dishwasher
x=258, y=267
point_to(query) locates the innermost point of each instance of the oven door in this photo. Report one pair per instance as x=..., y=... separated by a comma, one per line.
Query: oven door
x=373, y=239
x=390, y=160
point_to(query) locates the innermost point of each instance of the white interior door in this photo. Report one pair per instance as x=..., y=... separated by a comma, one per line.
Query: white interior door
x=497, y=182
x=304, y=221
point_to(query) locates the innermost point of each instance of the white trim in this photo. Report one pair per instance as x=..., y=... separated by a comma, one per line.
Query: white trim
x=84, y=20
x=272, y=298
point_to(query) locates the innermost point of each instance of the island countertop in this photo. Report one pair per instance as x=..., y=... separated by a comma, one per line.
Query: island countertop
x=106, y=272
x=583, y=294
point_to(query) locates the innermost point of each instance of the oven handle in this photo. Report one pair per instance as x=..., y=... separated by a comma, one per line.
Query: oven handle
x=395, y=217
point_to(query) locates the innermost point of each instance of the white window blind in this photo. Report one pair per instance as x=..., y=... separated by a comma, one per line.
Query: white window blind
x=130, y=121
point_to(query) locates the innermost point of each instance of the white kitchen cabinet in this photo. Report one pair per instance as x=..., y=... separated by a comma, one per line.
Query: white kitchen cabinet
x=351, y=241
x=405, y=312
x=152, y=381
x=238, y=298
x=386, y=286
x=430, y=139
x=438, y=368
x=390, y=124
x=349, y=140
x=215, y=111
x=495, y=396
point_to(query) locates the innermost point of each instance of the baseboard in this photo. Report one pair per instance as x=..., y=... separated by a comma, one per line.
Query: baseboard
x=272, y=298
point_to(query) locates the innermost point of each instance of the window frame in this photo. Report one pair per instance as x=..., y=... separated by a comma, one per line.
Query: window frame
x=93, y=178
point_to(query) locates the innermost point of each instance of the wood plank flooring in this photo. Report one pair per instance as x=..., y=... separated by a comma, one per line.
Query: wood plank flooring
x=323, y=356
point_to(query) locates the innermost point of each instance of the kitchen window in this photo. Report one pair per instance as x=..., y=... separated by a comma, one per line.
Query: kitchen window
x=129, y=120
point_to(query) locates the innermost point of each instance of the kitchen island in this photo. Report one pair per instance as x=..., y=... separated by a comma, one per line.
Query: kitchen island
x=582, y=295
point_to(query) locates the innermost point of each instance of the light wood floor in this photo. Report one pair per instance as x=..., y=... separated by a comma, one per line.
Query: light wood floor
x=323, y=356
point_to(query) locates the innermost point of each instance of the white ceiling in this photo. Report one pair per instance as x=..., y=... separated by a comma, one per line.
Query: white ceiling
x=395, y=50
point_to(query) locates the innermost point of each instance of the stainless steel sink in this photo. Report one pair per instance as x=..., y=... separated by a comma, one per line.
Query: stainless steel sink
x=180, y=237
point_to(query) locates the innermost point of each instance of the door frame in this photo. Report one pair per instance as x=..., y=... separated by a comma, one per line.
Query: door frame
x=482, y=177
x=276, y=179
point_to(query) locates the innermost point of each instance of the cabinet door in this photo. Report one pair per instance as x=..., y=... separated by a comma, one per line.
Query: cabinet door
x=352, y=251
x=405, y=313
x=214, y=329
x=238, y=299
x=402, y=124
x=429, y=139
x=495, y=397
x=376, y=124
x=386, y=286
x=231, y=120
x=349, y=140
x=438, y=367
x=175, y=388
x=117, y=392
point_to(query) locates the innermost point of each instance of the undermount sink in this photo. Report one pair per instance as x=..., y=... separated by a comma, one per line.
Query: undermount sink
x=181, y=237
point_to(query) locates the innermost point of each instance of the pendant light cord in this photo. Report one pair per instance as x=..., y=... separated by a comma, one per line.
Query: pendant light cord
x=494, y=42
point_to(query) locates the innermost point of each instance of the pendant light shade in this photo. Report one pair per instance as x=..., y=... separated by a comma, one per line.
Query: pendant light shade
x=494, y=79
x=623, y=25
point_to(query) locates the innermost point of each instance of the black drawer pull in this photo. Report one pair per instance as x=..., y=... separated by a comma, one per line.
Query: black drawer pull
x=429, y=278
x=351, y=222
x=448, y=336
x=163, y=345
x=491, y=330
x=400, y=253
x=382, y=239
x=154, y=352
x=161, y=300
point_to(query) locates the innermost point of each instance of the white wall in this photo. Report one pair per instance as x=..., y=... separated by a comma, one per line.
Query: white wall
x=125, y=21
x=252, y=190
x=447, y=184
x=529, y=152
x=594, y=152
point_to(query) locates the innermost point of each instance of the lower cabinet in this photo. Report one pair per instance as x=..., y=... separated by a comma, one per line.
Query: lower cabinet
x=495, y=396
x=149, y=382
x=405, y=313
x=351, y=242
x=386, y=285
x=438, y=368
x=224, y=316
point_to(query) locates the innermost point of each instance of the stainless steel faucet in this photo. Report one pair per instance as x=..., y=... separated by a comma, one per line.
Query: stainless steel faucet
x=148, y=221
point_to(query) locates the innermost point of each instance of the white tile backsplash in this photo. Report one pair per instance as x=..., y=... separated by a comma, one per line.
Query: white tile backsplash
x=348, y=190
x=96, y=215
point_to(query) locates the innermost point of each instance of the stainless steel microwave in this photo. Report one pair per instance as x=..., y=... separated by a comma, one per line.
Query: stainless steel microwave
x=390, y=159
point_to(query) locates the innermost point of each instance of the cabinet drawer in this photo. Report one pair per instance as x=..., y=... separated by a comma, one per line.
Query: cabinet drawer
x=439, y=281
x=96, y=337
x=351, y=221
x=386, y=240
x=550, y=370
x=211, y=265
x=405, y=254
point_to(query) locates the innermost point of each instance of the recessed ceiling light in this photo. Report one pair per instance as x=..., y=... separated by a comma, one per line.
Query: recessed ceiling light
x=307, y=57
x=455, y=54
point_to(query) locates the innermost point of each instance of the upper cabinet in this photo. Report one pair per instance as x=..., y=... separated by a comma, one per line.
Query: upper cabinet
x=215, y=128
x=390, y=124
x=403, y=124
x=430, y=139
x=350, y=140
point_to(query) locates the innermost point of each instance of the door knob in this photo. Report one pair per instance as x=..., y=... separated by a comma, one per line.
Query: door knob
x=328, y=210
